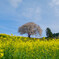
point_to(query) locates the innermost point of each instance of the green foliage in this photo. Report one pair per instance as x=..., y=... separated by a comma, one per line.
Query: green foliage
x=49, y=33
x=56, y=35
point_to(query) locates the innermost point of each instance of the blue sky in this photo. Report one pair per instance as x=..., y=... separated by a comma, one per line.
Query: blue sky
x=15, y=13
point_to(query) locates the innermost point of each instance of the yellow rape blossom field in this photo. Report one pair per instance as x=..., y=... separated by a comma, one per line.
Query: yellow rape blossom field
x=15, y=47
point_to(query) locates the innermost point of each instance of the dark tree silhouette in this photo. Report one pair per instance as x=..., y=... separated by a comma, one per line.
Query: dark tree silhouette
x=49, y=33
x=56, y=35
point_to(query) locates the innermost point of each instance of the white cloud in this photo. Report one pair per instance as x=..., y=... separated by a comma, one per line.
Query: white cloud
x=55, y=2
x=15, y=3
x=55, y=5
x=32, y=13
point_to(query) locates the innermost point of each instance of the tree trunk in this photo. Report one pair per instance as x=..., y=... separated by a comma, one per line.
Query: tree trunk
x=29, y=35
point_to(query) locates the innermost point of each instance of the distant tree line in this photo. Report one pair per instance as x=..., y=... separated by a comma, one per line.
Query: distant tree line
x=56, y=35
x=50, y=34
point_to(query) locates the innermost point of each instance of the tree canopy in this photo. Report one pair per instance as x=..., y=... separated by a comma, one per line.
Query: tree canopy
x=49, y=33
x=30, y=28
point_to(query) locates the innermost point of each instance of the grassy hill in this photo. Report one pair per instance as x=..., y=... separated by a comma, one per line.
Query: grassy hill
x=16, y=47
x=18, y=37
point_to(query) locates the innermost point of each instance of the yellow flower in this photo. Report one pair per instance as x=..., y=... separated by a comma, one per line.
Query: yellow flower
x=43, y=37
x=11, y=34
x=1, y=50
x=1, y=54
x=25, y=39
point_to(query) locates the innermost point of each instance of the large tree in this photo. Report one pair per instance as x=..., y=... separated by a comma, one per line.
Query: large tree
x=30, y=29
x=49, y=33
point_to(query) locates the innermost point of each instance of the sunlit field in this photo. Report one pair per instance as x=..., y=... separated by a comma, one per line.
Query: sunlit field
x=14, y=47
